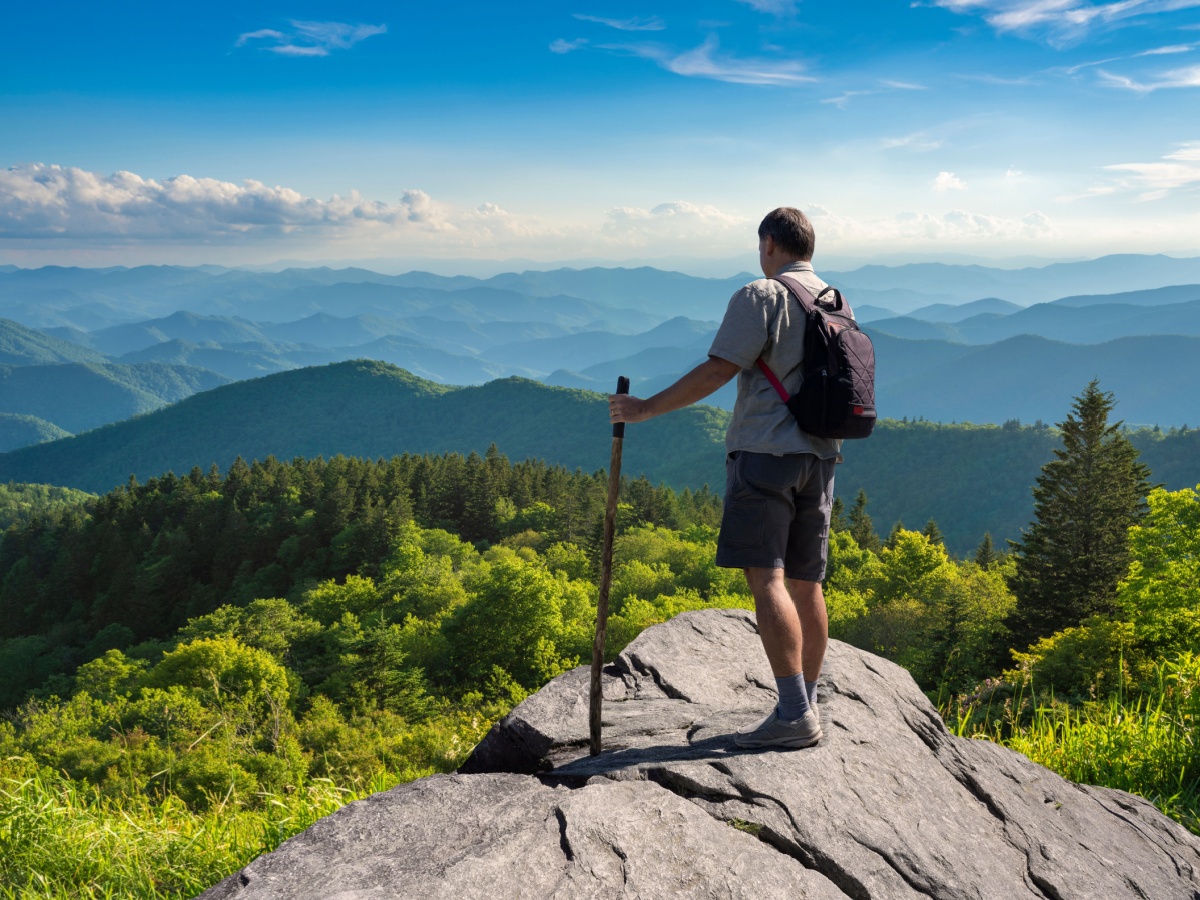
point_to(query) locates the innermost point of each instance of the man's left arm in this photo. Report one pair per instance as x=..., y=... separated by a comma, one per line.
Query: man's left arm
x=697, y=384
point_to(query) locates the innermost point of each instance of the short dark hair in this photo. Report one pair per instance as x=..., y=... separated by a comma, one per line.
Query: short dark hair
x=791, y=231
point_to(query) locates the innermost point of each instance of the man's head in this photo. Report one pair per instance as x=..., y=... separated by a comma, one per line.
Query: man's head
x=784, y=236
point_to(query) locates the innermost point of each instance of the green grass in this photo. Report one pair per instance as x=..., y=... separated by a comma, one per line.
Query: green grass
x=1144, y=745
x=61, y=839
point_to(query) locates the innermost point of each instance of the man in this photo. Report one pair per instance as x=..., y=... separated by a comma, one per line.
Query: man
x=779, y=480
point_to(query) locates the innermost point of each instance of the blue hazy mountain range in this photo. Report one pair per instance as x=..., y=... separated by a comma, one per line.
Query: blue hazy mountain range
x=954, y=343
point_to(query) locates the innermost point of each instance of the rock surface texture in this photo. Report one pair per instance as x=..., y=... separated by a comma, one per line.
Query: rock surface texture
x=887, y=805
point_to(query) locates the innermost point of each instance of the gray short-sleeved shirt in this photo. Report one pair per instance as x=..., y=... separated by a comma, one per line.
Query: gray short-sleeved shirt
x=761, y=320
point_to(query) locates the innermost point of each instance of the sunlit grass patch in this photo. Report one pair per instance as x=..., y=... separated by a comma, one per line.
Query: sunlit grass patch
x=59, y=838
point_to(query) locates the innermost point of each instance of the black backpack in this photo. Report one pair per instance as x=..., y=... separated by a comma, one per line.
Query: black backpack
x=837, y=396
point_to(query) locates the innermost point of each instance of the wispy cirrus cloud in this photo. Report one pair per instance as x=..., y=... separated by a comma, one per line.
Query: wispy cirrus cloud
x=779, y=8
x=1188, y=77
x=842, y=100
x=563, y=46
x=918, y=142
x=309, y=38
x=1062, y=22
x=652, y=23
x=1178, y=169
x=706, y=61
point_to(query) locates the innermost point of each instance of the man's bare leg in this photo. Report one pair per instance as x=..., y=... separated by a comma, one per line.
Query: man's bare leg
x=809, y=602
x=779, y=623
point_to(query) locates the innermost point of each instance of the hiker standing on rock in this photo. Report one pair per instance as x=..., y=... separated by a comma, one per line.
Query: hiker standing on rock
x=779, y=479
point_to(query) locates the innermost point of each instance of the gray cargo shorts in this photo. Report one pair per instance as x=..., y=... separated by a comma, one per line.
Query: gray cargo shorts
x=777, y=513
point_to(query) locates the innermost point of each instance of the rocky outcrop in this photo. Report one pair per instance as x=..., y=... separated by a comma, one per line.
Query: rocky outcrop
x=888, y=805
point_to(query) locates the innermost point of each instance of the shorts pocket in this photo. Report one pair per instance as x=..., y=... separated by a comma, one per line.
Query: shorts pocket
x=769, y=474
x=744, y=524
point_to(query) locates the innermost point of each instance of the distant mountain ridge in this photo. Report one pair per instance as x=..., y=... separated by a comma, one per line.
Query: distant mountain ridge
x=22, y=431
x=581, y=327
x=21, y=346
x=80, y=396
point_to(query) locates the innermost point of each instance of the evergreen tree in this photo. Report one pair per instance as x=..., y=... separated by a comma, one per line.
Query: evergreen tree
x=862, y=529
x=985, y=554
x=837, y=516
x=933, y=533
x=894, y=534
x=1072, y=557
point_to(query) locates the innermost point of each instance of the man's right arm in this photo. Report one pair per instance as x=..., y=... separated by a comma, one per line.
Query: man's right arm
x=697, y=384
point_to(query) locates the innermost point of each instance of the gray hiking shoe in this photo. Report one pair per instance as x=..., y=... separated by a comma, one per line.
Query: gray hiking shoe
x=776, y=732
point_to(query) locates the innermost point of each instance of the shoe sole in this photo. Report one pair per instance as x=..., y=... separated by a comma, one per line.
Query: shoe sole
x=783, y=743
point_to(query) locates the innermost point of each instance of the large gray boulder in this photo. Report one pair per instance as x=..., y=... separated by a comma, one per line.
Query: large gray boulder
x=888, y=805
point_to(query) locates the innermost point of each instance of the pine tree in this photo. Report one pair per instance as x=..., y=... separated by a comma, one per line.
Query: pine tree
x=1076, y=551
x=933, y=533
x=862, y=529
x=837, y=516
x=985, y=554
x=894, y=534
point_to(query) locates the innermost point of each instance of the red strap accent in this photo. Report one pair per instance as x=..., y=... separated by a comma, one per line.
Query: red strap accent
x=775, y=382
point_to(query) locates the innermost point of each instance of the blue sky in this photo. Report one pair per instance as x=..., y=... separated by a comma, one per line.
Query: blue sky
x=604, y=130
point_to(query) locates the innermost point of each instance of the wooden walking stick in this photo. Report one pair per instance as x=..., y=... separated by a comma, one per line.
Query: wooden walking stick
x=610, y=524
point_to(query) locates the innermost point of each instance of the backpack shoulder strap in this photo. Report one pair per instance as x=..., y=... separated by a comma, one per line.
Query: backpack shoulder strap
x=808, y=301
x=801, y=293
x=775, y=382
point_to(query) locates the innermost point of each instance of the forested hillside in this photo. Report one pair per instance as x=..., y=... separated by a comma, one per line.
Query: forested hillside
x=372, y=409
x=970, y=478
x=80, y=396
x=137, y=563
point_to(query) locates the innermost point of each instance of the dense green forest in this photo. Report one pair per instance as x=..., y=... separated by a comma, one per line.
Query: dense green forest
x=138, y=563
x=21, y=503
x=971, y=478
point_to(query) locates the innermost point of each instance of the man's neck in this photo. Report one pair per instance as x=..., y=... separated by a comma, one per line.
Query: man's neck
x=772, y=267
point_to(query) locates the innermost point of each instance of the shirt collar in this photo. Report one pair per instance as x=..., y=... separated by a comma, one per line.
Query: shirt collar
x=798, y=266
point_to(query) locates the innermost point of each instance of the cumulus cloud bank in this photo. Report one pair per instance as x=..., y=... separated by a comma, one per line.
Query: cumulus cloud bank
x=57, y=209
x=57, y=205
x=40, y=200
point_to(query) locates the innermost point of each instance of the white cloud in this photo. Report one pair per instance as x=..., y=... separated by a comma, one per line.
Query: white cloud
x=1166, y=51
x=677, y=222
x=705, y=62
x=1061, y=22
x=948, y=181
x=45, y=201
x=1156, y=180
x=844, y=98
x=902, y=85
x=47, y=206
x=780, y=8
x=917, y=228
x=562, y=46
x=918, y=142
x=1177, y=78
x=653, y=23
x=311, y=38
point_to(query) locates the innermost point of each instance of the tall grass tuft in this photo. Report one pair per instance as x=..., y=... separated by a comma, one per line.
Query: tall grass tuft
x=62, y=839
x=1144, y=744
